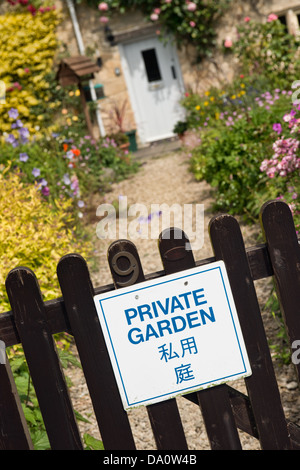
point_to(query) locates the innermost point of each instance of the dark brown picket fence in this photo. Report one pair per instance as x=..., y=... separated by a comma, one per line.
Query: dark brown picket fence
x=32, y=322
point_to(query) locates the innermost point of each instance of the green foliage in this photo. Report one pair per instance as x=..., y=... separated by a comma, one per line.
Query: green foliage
x=236, y=122
x=92, y=443
x=66, y=164
x=29, y=234
x=180, y=127
x=232, y=150
x=34, y=234
x=280, y=344
x=267, y=49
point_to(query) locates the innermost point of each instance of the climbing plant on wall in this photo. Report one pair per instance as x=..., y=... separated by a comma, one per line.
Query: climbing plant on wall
x=191, y=22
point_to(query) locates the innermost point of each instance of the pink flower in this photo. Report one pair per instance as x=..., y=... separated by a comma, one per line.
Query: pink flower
x=247, y=19
x=154, y=16
x=103, y=6
x=192, y=24
x=191, y=6
x=277, y=128
x=168, y=1
x=156, y=11
x=103, y=19
x=272, y=17
x=227, y=43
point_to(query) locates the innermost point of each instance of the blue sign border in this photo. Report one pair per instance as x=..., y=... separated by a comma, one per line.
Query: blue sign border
x=181, y=391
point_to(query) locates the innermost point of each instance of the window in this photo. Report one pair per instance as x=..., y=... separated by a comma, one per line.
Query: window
x=282, y=20
x=151, y=65
x=290, y=18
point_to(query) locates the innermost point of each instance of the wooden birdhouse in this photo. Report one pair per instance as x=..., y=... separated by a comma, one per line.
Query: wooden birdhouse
x=73, y=71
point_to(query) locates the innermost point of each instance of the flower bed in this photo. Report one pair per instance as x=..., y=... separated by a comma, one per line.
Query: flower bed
x=49, y=167
x=249, y=131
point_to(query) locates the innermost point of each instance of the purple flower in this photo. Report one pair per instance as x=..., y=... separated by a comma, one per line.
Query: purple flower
x=13, y=113
x=17, y=124
x=80, y=203
x=23, y=157
x=43, y=182
x=45, y=191
x=69, y=154
x=24, y=132
x=277, y=128
x=36, y=172
x=10, y=139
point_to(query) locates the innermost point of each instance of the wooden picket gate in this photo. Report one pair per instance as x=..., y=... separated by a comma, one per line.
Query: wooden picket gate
x=32, y=322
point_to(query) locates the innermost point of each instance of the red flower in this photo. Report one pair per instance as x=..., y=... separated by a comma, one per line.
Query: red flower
x=31, y=9
x=76, y=152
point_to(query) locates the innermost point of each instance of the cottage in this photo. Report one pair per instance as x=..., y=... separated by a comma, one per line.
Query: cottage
x=141, y=78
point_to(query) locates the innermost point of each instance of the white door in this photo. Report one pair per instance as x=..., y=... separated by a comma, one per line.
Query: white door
x=155, y=86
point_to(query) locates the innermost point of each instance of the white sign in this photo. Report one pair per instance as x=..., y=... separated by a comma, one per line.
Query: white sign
x=173, y=335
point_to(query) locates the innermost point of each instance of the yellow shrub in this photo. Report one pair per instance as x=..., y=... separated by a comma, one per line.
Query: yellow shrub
x=27, y=48
x=33, y=235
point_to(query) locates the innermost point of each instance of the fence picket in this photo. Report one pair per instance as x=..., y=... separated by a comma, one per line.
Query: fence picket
x=262, y=387
x=39, y=348
x=14, y=434
x=284, y=250
x=214, y=402
x=78, y=292
x=126, y=269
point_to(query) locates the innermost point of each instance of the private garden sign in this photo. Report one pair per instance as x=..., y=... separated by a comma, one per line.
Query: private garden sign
x=173, y=335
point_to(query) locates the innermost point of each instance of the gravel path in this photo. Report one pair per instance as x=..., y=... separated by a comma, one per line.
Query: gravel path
x=166, y=179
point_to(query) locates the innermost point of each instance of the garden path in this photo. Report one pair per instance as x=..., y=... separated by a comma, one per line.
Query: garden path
x=165, y=178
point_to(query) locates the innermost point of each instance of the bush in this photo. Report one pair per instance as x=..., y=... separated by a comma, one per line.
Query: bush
x=233, y=147
x=64, y=164
x=283, y=168
x=28, y=44
x=35, y=235
x=267, y=49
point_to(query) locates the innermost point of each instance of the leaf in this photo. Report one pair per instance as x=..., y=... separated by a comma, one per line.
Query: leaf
x=40, y=440
x=29, y=415
x=17, y=362
x=80, y=417
x=67, y=358
x=92, y=443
